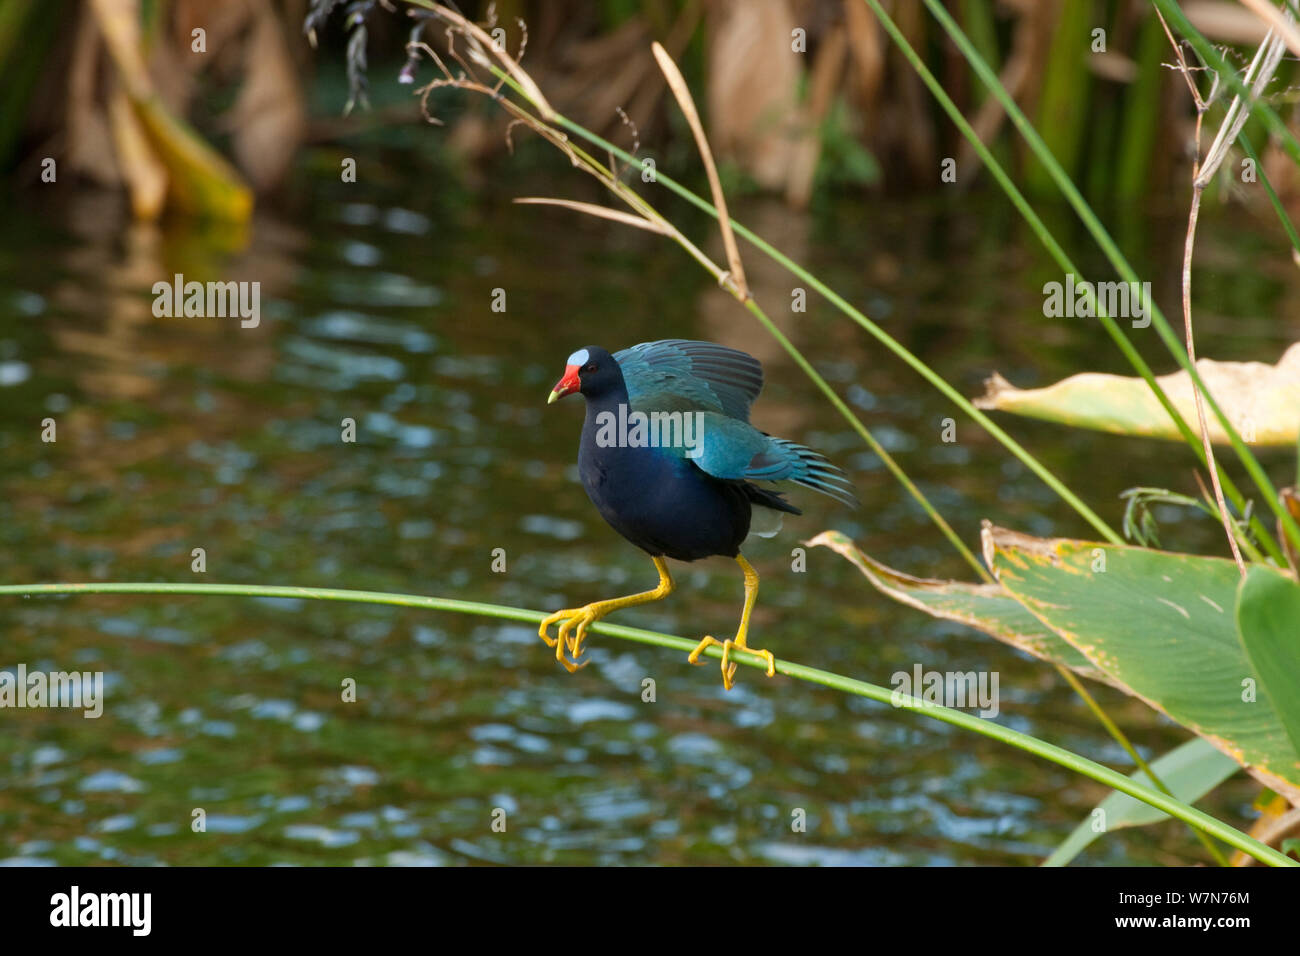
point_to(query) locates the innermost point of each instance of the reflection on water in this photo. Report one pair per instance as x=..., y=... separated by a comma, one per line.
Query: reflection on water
x=176, y=434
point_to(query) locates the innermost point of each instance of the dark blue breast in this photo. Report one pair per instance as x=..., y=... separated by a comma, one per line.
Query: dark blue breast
x=661, y=502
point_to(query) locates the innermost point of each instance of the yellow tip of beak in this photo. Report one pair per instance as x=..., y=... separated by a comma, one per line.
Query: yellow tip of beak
x=554, y=396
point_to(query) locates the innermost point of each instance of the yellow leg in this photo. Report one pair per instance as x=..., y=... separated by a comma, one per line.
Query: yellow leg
x=576, y=620
x=728, y=668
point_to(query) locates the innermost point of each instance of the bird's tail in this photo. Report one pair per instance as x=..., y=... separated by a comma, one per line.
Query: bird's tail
x=812, y=470
x=766, y=498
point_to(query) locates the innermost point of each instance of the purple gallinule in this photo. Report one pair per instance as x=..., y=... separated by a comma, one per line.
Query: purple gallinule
x=669, y=459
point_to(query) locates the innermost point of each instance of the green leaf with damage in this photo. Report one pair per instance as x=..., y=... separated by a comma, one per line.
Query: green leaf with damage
x=985, y=607
x=1161, y=625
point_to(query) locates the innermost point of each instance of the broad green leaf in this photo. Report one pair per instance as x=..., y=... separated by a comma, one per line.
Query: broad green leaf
x=985, y=607
x=1268, y=624
x=1161, y=625
x=1262, y=401
x=1190, y=771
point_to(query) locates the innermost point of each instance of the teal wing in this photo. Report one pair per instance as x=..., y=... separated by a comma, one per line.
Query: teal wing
x=711, y=377
x=737, y=451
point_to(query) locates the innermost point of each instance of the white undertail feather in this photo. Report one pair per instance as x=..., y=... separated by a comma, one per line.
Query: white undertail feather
x=764, y=522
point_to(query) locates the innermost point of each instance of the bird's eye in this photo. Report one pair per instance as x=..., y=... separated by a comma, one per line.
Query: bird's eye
x=590, y=367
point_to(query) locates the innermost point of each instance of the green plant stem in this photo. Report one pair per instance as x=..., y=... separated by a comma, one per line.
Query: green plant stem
x=1272, y=196
x=1014, y=738
x=1176, y=346
x=903, y=479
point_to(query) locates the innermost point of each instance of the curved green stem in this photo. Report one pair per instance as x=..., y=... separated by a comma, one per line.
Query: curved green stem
x=1014, y=738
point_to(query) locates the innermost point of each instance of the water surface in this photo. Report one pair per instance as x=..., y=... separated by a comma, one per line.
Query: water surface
x=176, y=434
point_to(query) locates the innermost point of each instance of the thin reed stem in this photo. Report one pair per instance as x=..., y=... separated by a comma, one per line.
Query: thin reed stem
x=987, y=728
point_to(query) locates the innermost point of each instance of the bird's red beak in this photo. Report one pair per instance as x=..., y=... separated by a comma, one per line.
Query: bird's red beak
x=570, y=383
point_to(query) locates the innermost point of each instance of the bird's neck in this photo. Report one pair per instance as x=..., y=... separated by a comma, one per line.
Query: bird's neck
x=600, y=409
x=608, y=401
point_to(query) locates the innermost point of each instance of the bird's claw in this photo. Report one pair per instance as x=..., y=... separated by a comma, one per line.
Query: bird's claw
x=570, y=635
x=728, y=668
